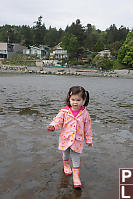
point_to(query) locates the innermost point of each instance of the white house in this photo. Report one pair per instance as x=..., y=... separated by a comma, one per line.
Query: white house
x=104, y=52
x=41, y=52
x=59, y=53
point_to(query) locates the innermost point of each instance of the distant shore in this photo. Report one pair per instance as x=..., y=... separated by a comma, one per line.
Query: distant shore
x=66, y=71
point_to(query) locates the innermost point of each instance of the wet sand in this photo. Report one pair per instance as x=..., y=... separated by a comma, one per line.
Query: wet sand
x=30, y=162
x=31, y=167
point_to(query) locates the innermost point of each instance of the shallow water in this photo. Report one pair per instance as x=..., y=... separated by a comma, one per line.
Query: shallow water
x=30, y=163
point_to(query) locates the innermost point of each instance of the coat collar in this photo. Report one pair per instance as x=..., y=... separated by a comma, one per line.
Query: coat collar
x=68, y=110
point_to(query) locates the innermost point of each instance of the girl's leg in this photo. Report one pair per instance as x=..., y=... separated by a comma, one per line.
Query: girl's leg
x=75, y=158
x=76, y=168
x=65, y=157
x=66, y=154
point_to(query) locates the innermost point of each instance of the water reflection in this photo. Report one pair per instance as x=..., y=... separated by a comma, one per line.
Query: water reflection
x=65, y=188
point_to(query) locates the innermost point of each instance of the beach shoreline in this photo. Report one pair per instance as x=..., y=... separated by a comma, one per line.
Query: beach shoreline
x=125, y=73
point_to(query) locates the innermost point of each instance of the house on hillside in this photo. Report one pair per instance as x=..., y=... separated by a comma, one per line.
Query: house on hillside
x=41, y=52
x=7, y=50
x=59, y=53
x=105, y=52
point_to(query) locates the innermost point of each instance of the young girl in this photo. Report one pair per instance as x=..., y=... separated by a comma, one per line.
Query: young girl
x=75, y=123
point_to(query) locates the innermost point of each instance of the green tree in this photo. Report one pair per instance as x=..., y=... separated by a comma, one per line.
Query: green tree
x=8, y=33
x=122, y=32
x=112, y=34
x=78, y=30
x=103, y=62
x=70, y=43
x=125, y=54
x=39, y=31
x=94, y=39
x=99, y=46
x=52, y=36
x=114, y=48
x=26, y=36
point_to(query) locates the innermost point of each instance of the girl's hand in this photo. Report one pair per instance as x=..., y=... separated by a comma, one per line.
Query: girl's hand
x=51, y=128
x=91, y=144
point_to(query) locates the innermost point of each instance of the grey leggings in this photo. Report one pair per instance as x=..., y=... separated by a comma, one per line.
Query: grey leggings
x=75, y=157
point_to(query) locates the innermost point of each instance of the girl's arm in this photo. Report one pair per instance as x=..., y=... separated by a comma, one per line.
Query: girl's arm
x=57, y=122
x=88, y=130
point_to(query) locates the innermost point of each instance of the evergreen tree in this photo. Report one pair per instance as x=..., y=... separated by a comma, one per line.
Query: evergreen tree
x=52, y=37
x=78, y=30
x=39, y=31
x=125, y=54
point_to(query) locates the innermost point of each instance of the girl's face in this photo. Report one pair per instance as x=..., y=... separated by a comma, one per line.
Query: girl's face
x=76, y=102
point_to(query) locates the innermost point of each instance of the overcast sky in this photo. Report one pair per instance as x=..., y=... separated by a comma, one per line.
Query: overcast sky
x=60, y=13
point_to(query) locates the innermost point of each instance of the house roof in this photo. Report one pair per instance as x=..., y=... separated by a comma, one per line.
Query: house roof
x=41, y=47
x=104, y=51
x=3, y=46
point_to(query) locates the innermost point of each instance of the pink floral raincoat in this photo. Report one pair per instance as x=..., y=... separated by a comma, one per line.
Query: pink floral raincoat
x=73, y=129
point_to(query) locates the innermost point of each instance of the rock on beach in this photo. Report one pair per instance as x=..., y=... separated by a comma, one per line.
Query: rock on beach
x=67, y=71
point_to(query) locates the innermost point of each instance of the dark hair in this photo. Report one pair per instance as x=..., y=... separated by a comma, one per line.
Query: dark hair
x=75, y=90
